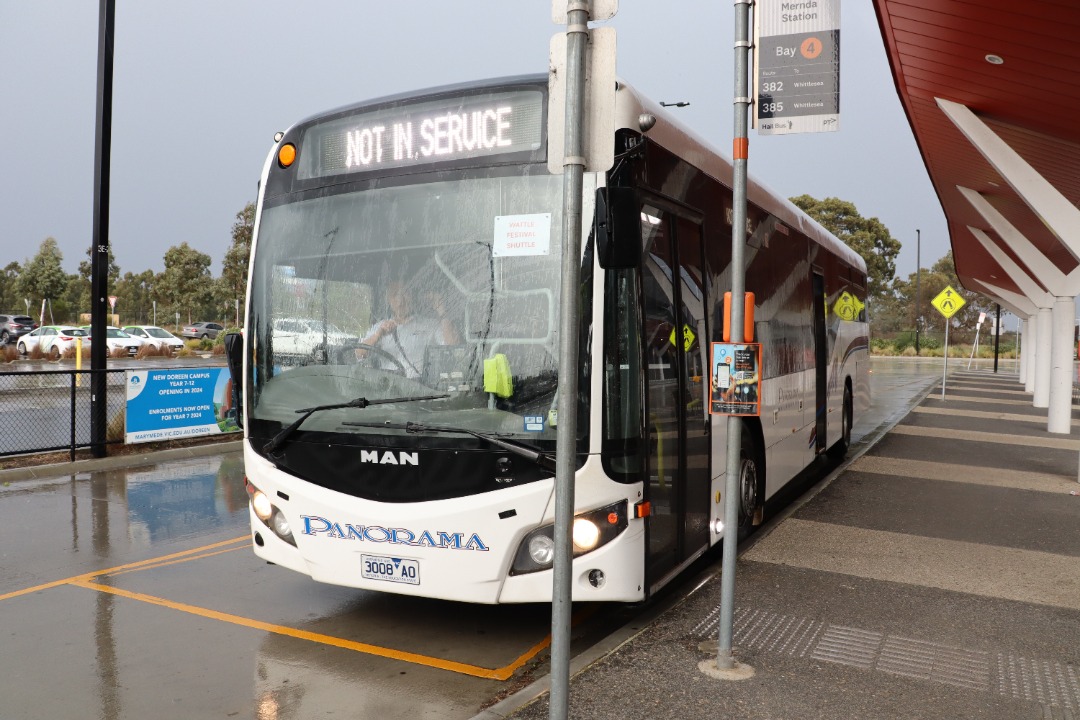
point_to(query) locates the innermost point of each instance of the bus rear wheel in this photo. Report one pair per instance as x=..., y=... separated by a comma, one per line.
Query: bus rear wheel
x=840, y=449
x=751, y=477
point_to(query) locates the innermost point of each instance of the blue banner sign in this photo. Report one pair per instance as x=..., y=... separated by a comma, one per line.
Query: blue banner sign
x=178, y=403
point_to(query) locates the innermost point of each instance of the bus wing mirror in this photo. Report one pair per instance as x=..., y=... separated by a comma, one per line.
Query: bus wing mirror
x=616, y=228
x=234, y=359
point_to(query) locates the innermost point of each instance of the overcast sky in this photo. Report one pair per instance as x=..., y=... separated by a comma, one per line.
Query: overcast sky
x=201, y=87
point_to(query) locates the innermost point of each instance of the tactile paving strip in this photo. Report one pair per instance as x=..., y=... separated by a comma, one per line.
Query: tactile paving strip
x=1053, y=684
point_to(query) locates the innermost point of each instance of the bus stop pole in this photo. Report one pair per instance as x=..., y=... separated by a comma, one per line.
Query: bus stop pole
x=577, y=18
x=725, y=660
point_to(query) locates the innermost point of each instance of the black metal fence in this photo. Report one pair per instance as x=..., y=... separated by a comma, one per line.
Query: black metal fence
x=44, y=410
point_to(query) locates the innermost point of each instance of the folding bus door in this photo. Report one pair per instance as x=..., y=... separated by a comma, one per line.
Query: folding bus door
x=675, y=342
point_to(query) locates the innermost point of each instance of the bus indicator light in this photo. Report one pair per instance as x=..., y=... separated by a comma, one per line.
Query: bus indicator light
x=286, y=155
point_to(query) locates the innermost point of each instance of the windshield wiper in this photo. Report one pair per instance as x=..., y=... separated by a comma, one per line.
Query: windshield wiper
x=545, y=461
x=279, y=439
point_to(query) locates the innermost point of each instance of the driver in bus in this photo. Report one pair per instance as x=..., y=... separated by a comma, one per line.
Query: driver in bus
x=408, y=332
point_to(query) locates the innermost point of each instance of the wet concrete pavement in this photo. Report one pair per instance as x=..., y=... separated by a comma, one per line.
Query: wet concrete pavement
x=936, y=576
x=131, y=592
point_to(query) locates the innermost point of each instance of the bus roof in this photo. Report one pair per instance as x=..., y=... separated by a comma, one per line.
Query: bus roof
x=673, y=135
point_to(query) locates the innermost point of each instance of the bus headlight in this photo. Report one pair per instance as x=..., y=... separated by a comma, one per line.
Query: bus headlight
x=270, y=516
x=591, y=530
x=586, y=534
x=541, y=549
x=261, y=505
x=280, y=525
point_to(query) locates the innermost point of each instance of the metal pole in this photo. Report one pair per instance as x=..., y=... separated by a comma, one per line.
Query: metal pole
x=99, y=272
x=918, y=272
x=577, y=35
x=740, y=146
x=73, y=411
x=975, y=346
x=945, y=370
x=997, y=337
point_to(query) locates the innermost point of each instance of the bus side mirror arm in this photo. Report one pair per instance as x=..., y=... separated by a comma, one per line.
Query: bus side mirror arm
x=234, y=359
x=617, y=228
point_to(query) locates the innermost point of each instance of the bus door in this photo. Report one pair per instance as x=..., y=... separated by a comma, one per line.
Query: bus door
x=677, y=420
x=821, y=368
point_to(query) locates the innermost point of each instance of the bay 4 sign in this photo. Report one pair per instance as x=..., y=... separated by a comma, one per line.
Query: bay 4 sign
x=177, y=403
x=797, y=56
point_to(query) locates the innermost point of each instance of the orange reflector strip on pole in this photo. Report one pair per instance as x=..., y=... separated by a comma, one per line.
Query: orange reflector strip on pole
x=740, y=148
x=748, y=317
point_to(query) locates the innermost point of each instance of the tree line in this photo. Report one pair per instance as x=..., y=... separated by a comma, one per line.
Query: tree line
x=186, y=287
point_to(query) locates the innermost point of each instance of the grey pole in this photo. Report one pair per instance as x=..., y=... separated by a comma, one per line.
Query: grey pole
x=724, y=658
x=577, y=35
x=945, y=369
x=918, y=272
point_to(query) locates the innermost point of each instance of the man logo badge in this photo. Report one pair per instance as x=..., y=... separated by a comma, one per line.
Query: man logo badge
x=389, y=458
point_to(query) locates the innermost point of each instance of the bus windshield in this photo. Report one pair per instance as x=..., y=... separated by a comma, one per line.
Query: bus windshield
x=443, y=288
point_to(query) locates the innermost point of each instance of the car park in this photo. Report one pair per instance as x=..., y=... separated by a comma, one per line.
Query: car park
x=202, y=330
x=115, y=339
x=303, y=338
x=54, y=340
x=13, y=327
x=153, y=335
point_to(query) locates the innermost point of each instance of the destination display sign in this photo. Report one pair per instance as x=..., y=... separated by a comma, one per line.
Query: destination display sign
x=797, y=56
x=454, y=128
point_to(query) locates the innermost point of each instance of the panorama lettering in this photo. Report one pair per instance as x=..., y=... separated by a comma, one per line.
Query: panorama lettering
x=315, y=525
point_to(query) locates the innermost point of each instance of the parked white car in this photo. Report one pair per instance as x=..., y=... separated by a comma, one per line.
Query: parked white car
x=153, y=335
x=303, y=338
x=115, y=338
x=54, y=340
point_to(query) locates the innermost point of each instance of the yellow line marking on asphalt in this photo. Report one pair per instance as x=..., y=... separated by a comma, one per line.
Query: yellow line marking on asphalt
x=177, y=561
x=999, y=438
x=947, y=472
x=1028, y=576
x=1010, y=417
x=502, y=673
x=120, y=568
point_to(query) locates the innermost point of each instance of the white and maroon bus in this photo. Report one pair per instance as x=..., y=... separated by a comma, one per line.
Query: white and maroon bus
x=406, y=442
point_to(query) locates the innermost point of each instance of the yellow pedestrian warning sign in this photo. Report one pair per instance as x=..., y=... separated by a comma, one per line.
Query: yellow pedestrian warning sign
x=948, y=302
x=848, y=307
x=688, y=338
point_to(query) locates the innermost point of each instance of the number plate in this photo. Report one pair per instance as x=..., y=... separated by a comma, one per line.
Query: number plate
x=390, y=569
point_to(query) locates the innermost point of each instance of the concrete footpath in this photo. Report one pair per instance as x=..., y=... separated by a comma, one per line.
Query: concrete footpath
x=935, y=576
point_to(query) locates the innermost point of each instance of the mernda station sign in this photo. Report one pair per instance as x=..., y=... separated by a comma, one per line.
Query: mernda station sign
x=797, y=56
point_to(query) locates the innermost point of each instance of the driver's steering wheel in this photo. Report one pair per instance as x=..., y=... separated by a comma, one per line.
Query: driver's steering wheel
x=398, y=367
